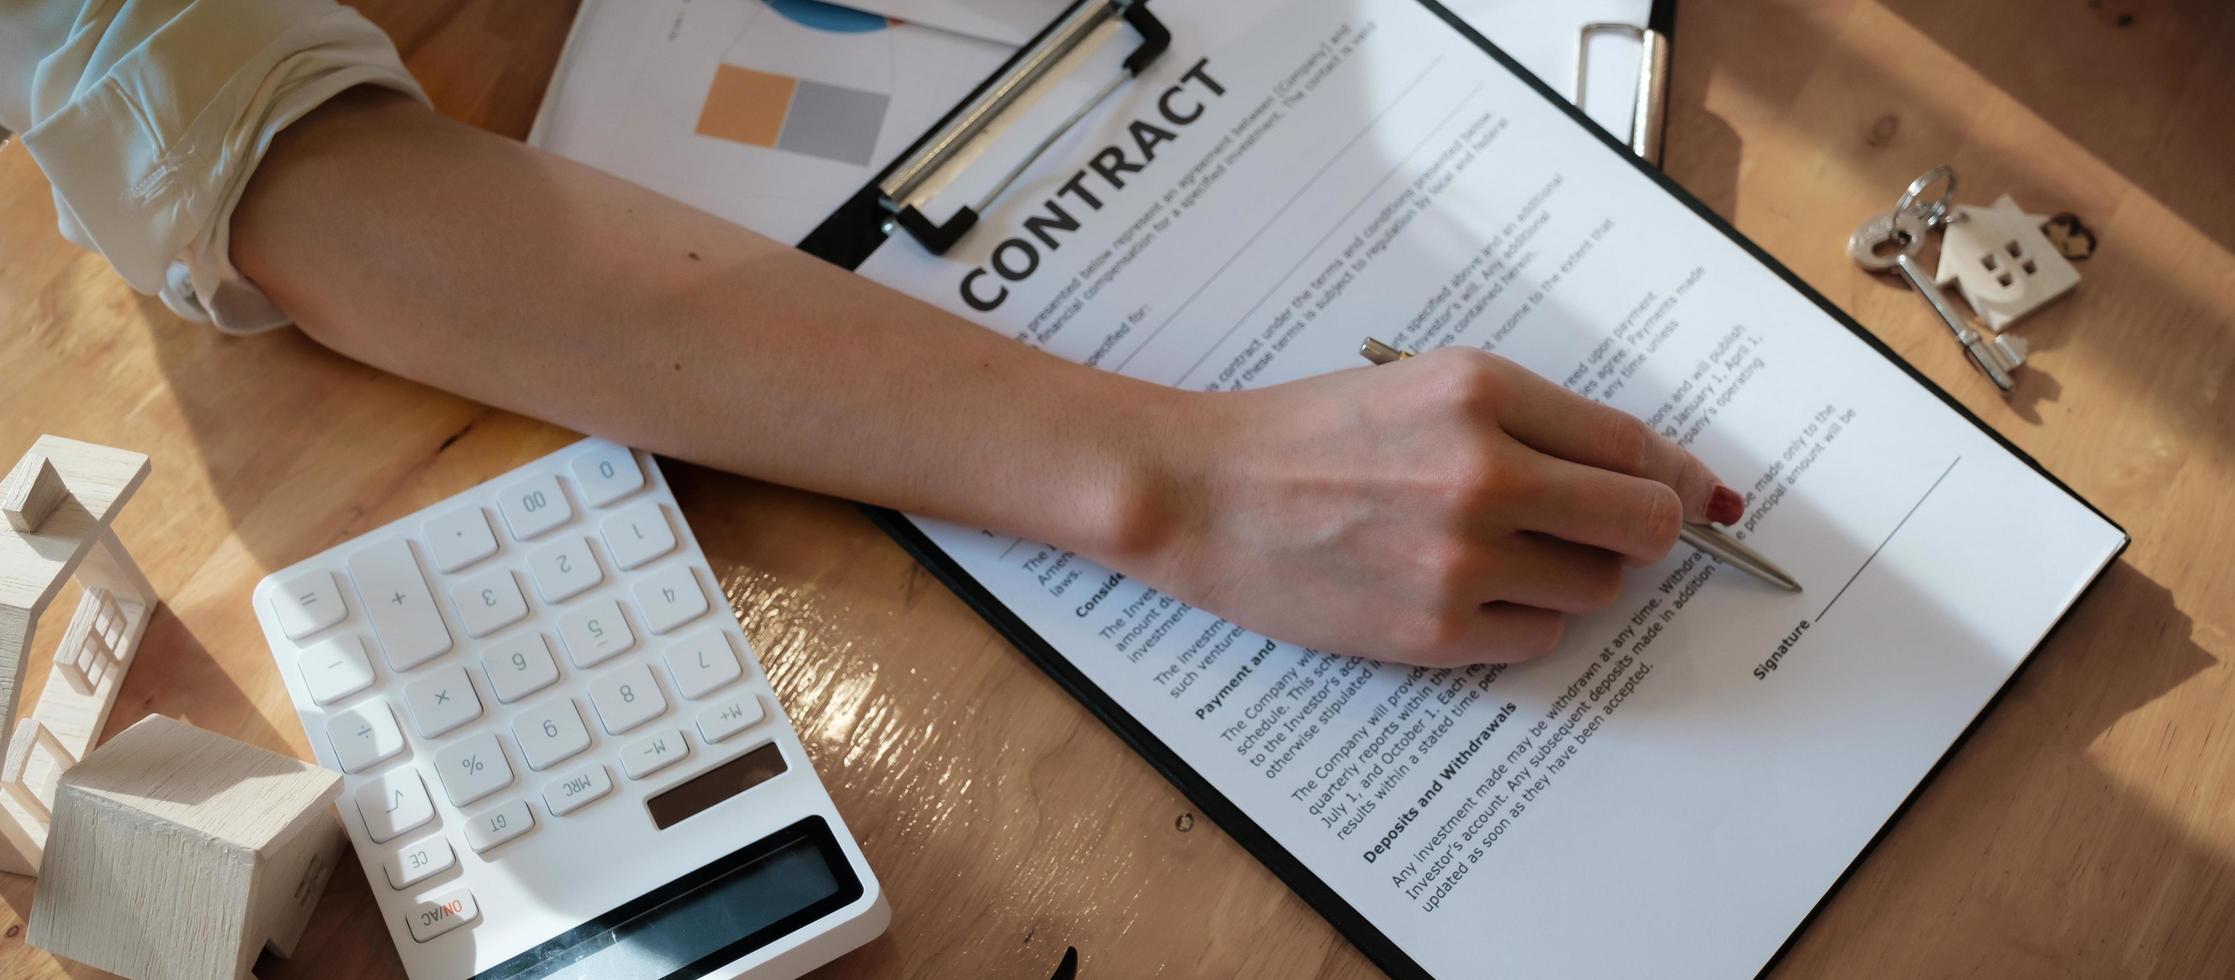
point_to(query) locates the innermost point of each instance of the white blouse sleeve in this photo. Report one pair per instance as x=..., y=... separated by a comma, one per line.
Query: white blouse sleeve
x=148, y=117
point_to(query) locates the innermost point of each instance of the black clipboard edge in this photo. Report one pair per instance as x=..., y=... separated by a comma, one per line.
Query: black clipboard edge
x=836, y=242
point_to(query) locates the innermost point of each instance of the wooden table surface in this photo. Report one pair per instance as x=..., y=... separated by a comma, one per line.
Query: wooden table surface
x=2086, y=830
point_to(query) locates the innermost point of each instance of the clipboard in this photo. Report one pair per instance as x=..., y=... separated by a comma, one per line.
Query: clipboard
x=875, y=215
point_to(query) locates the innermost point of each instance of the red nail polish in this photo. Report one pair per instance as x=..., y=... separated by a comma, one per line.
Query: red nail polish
x=1725, y=506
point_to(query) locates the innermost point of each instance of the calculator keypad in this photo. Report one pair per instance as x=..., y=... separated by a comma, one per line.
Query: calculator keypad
x=510, y=654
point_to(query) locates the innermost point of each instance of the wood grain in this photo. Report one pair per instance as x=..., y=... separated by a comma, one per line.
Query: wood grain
x=2086, y=830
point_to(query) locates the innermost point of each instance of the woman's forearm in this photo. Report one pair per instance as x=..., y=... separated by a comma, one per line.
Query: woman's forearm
x=1452, y=508
x=481, y=266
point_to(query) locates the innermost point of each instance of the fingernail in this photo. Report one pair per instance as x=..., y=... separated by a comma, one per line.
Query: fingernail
x=1725, y=506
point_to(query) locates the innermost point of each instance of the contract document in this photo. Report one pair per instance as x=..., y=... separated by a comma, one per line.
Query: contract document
x=1673, y=790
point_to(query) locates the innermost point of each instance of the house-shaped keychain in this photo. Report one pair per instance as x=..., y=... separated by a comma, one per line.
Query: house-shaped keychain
x=2001, y=261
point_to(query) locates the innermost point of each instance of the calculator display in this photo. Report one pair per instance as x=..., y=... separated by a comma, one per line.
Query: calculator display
x=710, y=917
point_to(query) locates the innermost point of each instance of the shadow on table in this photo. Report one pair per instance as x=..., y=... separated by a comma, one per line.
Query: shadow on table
x=2068, y=870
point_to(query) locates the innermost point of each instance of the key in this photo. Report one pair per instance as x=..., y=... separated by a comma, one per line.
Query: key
x=459, y=538
x=441, y=701
x=489, y=602
x=473, y=768
x=412, y=864
x=442, y=913
x=398, y=603
x=627, y=697
x=507, y=821
x=727, y=718
x=1892, y=241
x=654, y=752
x=364, y=736
x=702, y=662
x=577, y=789
x=638, y=534
x=564, y=568
x=670, y=597
x=335, y=669
x=393, y=805
x=519, y=666
x=534, y=506
x=550, y=733
x=607, y=474
x=595, y=633
x=307, y=603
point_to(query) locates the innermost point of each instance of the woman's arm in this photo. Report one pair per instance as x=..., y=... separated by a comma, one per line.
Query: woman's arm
x=1447, y=509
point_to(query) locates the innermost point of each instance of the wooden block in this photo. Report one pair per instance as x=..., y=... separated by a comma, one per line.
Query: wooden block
x=31, y=492
x=177, y=854
x=73, y=533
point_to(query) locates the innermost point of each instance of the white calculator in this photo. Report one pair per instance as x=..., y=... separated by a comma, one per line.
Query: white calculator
x=559, y=757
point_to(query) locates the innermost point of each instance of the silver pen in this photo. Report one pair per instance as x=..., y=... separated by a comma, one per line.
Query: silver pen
x=1711, y=540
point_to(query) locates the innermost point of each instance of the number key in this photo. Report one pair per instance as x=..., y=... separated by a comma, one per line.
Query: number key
x=670, y=598
x=564, y=568
x=702, y=662
x=489, y=602
x=519, y=666
x=550, y=733
x=607, y=474
x=638, y=534
x=596, y=633
x=627, y=698
x=534, y=506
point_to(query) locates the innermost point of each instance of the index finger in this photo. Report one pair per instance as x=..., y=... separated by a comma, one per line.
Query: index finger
x=1557, y=422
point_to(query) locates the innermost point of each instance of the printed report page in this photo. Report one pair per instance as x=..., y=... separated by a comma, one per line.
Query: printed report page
x=1676, y=787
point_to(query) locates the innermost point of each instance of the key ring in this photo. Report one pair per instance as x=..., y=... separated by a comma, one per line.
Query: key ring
x=1936, y=213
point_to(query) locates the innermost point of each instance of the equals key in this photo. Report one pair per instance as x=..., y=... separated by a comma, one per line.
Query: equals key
x=307, y=603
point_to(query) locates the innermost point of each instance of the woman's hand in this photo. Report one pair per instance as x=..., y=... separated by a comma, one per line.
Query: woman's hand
x=1451, y=508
